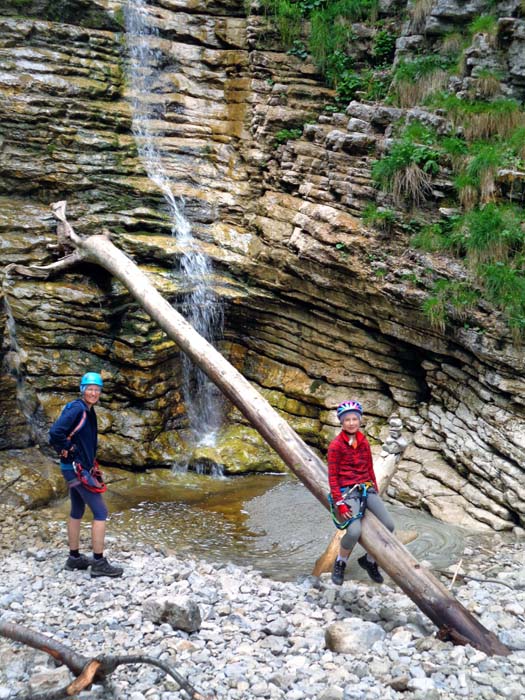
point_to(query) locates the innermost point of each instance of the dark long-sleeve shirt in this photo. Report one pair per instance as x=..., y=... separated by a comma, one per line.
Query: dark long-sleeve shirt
x=84, y=439
x=348, y=465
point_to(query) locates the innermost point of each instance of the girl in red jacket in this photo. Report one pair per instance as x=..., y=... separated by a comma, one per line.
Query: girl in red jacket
x=351, y=476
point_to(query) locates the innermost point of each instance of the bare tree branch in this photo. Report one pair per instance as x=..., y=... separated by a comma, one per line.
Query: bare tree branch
x=87, y=670
x=46, y=271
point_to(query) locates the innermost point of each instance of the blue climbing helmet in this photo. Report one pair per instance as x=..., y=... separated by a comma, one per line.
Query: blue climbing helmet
x=91, y=378
x=348, y=406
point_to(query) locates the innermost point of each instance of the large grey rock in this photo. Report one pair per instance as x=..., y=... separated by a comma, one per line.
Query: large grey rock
x=181, y=612
x=352, y=635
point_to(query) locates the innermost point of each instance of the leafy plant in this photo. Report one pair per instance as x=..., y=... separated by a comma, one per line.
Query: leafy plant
x=384, y=47
x=348, y=85
x=298, y=49
x=287, y=135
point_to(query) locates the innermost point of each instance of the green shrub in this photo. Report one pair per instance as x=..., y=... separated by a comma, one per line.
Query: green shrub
x=457, y=297
x=407, y=171
x=287, y=135
x=298, y=49
x=384, y=47
x=492, y=234
x=420, y=133
x=505, y=287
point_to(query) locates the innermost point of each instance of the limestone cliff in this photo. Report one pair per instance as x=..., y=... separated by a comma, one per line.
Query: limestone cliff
x=319, y=307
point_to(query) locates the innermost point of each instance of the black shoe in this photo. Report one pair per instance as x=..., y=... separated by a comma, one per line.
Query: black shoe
x=371, y=568
x=102, y=567
x=338, y=574
x=80, y=562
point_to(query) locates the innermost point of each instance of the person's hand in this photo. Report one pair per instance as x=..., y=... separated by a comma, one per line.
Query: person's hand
x=68, y=452
x=345, y=512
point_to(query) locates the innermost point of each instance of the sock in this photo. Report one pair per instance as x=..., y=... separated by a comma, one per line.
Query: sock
x=340, y=558
x=370, y=559
x=97, y=557
x=74, y=553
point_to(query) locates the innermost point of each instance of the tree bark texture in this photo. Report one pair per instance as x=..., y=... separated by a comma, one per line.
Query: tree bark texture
x=418, y=583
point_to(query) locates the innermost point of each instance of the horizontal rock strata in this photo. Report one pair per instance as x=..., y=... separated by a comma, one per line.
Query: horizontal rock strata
x=318, y=306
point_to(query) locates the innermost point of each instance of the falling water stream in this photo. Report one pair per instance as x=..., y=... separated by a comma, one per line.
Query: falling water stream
x=200, y=306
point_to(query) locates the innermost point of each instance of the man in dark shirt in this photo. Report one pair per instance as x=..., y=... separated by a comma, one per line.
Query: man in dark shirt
x=350, y=475
x=74, y=436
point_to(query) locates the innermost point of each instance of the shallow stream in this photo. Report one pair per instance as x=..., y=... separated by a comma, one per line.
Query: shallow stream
x=270, y=522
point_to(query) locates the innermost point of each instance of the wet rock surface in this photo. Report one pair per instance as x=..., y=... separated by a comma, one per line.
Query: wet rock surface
x=252, y=637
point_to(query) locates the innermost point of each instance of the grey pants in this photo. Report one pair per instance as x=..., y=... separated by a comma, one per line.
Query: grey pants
x=377, y=507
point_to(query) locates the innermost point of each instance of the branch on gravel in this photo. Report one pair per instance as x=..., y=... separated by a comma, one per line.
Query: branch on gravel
x=87, y=671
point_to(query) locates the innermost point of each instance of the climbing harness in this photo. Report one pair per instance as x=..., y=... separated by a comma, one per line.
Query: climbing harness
x=363, y=496
x=91, y=479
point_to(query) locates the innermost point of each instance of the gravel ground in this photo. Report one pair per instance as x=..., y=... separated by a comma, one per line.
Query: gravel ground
x=234, y=634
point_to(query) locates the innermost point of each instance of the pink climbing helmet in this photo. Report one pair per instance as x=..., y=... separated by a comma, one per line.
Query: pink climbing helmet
x=349, y=406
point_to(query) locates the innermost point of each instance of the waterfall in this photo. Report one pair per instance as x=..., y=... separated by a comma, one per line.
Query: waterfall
x=200, y=306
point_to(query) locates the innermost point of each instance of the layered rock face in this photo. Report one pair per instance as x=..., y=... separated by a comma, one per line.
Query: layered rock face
x=318, y=307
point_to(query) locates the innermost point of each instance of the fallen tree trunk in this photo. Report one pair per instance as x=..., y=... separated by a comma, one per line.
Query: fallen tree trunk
x=428, y=593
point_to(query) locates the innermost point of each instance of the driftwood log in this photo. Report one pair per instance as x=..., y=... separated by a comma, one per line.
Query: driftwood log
x=455, y=621
x=86, y=670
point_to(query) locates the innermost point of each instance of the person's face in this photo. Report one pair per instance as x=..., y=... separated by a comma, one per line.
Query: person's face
x=350, y=423
x=91, y=394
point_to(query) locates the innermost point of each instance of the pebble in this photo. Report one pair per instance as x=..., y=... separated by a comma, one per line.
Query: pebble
x=254, y=637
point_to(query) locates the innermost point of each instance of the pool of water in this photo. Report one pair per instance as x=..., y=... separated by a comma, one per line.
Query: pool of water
x=270, y=522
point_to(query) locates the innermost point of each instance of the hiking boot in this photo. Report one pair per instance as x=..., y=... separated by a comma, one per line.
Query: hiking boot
x=338, y=574
x=102, y=567
x=371, y=568
x=80, y=562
